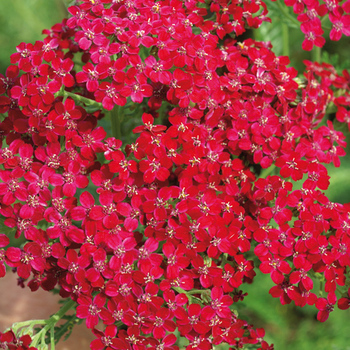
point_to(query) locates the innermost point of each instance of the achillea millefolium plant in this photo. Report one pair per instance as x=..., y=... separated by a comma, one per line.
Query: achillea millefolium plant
x=153, y=239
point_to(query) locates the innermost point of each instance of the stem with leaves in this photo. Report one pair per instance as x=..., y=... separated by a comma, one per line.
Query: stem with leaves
x=50, y=325
x=27, y=327
x=79, y=99
x=286, y=14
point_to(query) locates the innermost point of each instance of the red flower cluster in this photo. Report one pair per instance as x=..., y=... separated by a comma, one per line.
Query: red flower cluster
x=9, y=341
x=161, y=237
x=311, y=15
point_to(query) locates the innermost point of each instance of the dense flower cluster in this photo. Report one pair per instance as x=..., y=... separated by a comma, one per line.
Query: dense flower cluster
x=160, y=235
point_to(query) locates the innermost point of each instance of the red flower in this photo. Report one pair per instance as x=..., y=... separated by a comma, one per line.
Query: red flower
x=11, y=187
x=313, y=35
x=91, y=74
x=191, y=319
x=60, y=71
x=300, y=275
x=91, y=33
x=110, y=94
x=276, y=266
x=344, y=303
x=155, y=168
x=291, y=165
x=73, y=178
x=176, y=259
x=325, y=306
x=136, y=86
x=163, y=323
x=40, y=90
x=27, y=259
x=92, y=309
x=158, y=71
x=340, y=26
x=105, y=339
x=219, y=305
x=90, y=142
x=165, y=343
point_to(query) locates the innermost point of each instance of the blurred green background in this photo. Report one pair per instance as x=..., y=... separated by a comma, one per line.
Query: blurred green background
x=23, y=21
x=288, y=327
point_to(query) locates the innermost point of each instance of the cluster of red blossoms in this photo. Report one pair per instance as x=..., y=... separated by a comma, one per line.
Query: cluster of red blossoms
x=10, y=341
x=154, y=240
x=311, y=15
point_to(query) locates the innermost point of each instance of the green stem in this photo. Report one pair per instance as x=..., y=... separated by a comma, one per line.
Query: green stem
x=85, y=100
x=198, y=291
x=179, y=290
x=321, y=289
x=18, y=325
x=78, y=98
x=52, y=337
x=285, y=40
x=285, y=13
x=115, y=116
x=205, y=294
x=61, y=312
x=51, y=322
x=60, y=92
x=316, y=54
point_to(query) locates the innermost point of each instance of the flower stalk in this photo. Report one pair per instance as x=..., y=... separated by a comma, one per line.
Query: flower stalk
x=50, y=324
